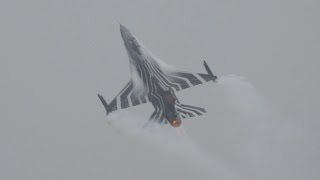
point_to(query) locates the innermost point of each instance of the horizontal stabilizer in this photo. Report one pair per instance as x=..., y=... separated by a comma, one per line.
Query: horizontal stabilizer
x=187, y=111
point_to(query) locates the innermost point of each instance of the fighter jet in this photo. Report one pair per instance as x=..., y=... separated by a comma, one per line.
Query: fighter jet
x=152, y=81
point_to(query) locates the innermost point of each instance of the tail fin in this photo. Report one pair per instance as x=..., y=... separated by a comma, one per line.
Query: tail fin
x=189, y=111
x=214, y=78
x=105, y=104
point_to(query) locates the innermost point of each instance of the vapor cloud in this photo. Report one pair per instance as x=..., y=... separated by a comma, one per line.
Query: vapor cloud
x=254, y=136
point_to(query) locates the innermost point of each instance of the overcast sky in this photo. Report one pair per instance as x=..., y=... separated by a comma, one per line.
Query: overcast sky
x=55, y=56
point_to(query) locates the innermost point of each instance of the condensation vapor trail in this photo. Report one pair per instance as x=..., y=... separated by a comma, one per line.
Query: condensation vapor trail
x=173, y=142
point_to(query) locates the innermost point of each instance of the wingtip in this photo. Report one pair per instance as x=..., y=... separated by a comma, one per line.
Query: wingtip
x=105, y=104
x=204, y=62
x=209, y=71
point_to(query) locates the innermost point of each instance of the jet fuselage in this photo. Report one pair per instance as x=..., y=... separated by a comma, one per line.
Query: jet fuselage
x=144, y=66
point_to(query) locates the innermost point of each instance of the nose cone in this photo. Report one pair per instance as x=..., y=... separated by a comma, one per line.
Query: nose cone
x=124, y=31
x=131, y=43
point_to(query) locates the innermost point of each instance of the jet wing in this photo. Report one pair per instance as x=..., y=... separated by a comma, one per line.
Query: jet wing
x=126, y=98
x=183, y=80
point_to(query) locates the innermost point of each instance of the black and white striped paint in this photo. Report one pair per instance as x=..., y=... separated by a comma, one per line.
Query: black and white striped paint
x=156, y=82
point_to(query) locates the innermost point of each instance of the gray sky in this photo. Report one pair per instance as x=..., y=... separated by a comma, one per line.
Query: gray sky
x=56, y=55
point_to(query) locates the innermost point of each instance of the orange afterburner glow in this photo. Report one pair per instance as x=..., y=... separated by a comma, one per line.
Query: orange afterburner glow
x=176, y=123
